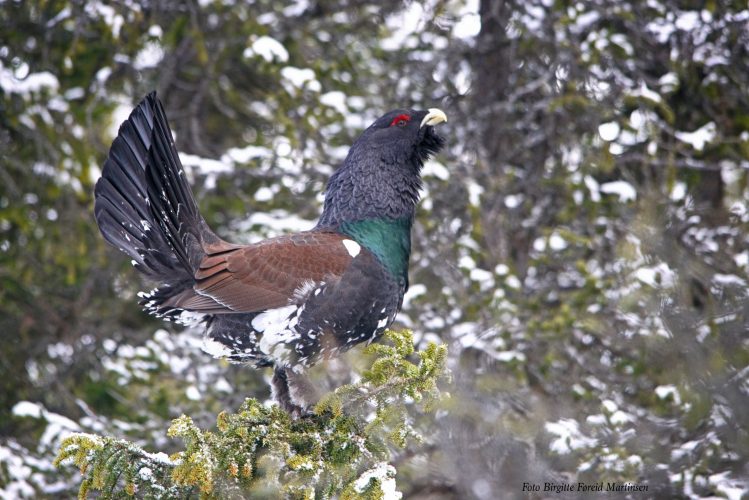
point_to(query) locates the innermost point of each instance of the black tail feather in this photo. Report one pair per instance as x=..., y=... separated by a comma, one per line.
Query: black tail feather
x=144, y=205
x=170, y=198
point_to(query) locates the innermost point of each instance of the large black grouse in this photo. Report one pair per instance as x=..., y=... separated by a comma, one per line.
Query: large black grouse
x=285, y=302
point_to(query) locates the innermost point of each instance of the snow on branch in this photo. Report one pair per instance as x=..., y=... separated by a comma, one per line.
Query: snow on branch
x=342, y=449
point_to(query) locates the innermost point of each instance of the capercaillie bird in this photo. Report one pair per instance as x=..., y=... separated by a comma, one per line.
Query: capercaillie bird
x=285, y=302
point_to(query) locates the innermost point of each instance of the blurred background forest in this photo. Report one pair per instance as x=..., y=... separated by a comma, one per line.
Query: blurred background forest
x=582, y=245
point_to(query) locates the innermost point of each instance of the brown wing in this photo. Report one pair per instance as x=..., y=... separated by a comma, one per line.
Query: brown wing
x=265, y=275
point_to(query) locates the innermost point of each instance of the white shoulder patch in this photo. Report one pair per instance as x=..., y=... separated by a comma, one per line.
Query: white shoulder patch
x=352, y=247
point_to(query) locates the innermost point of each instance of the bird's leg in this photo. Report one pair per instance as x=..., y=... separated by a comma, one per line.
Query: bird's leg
x=302, y=391
x=280, y=390
x=293, y=392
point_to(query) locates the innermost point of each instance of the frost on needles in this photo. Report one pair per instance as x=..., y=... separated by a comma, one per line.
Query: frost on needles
x=343, y=449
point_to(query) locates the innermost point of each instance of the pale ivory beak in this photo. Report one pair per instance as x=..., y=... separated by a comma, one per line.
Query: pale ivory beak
x=434, y=117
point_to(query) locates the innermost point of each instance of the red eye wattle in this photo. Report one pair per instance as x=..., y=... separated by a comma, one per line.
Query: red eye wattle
x=400, y=120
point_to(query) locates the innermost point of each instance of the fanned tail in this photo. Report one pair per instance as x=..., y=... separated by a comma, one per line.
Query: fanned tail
x=144, y=206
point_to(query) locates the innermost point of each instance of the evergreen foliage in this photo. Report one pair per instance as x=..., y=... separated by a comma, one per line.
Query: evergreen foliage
x=581, y=246
x=340, y=450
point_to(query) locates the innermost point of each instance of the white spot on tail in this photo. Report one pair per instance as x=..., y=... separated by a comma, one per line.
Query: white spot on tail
x=189, y=318
x=148, y=295
x=382, y=322
x=352, y=247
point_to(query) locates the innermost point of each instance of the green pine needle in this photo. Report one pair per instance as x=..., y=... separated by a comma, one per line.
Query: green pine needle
x=262, y=450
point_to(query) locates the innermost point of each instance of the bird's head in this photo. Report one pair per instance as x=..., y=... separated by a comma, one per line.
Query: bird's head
x=380, y=177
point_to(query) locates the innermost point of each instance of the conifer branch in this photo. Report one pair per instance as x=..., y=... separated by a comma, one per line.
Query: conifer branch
x=339, y=450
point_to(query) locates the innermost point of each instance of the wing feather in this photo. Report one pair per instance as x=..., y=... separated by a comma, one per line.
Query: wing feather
x=263, y=276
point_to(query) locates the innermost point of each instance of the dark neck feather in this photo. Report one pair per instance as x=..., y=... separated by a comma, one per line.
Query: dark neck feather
x=378, y=180
x=371, y=188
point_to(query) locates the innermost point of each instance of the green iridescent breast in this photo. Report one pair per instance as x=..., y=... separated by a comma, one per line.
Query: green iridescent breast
x=388, y=239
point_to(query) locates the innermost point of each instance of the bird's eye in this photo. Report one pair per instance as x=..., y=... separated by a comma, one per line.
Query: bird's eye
x=400, y=120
